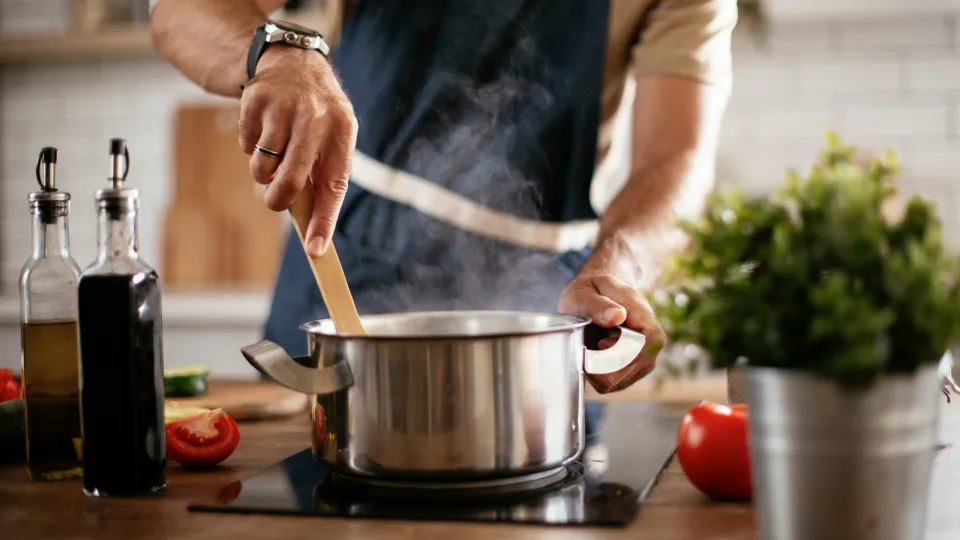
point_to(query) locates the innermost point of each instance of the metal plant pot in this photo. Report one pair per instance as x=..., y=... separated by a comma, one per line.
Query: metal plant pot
x=736, y=392
x=833, y=464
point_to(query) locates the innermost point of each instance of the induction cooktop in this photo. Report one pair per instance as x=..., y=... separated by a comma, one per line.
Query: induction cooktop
x=623, y=459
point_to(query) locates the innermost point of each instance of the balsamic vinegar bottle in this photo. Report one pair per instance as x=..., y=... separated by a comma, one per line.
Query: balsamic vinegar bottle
x=48, y=333
x=121, y=354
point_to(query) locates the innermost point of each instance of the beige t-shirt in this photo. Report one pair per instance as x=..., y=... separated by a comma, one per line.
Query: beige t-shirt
x=682, y=38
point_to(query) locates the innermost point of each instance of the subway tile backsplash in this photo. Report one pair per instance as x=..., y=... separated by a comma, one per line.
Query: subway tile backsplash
x=879, y=84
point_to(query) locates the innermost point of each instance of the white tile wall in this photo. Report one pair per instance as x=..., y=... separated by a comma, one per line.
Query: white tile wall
x=879, y=84
x=33, y=17
x=896, y=35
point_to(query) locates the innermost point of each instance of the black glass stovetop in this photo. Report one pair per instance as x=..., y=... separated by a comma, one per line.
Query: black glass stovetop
x=630, y=445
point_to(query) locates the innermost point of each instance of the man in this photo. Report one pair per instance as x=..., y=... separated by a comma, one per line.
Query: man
x=476, y=139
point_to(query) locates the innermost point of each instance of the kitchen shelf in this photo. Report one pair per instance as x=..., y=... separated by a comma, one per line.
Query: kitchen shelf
x=108, y=43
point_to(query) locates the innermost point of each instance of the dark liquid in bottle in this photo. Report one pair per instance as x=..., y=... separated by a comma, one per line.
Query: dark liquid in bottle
x=121, y=370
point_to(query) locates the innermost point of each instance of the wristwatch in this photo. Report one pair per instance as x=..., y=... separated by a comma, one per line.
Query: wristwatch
x=283, y=33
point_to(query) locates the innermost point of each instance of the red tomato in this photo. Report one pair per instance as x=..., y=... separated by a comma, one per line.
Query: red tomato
x=9, y=389
x=203, y=439
x=712, y=450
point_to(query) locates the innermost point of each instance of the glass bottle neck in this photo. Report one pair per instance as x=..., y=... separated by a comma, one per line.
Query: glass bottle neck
x=50, y=237
x=118, y=236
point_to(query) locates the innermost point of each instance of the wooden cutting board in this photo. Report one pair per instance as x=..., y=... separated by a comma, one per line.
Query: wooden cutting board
x=247, y=400
x=191, y=251
x=218, y=234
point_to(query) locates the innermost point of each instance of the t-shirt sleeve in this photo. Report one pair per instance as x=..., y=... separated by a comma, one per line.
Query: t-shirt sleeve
x=689, y=39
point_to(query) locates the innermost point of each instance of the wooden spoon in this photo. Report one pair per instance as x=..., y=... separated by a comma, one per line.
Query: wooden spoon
x=326, y=269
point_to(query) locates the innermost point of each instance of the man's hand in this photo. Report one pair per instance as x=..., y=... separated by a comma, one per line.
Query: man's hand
x=610, y=301
x=295, y=106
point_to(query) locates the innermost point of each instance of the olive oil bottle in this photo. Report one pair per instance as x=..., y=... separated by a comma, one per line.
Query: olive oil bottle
x=48, y=314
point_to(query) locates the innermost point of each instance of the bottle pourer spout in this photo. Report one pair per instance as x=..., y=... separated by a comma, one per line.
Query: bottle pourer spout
x=120, y=161
x=47, y=169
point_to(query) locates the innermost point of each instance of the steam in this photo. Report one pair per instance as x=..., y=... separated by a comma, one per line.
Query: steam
x=470, y=154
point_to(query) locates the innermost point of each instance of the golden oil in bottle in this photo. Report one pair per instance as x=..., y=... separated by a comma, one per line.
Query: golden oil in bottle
x=51, y=385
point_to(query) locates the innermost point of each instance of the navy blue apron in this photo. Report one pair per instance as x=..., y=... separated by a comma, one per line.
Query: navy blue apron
x=498, y=101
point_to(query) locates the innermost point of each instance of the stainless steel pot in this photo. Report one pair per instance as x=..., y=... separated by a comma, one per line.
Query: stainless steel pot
x=448, y=396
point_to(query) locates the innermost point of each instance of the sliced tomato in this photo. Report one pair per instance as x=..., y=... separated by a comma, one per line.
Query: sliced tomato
x=713, y=453
x=203, y=439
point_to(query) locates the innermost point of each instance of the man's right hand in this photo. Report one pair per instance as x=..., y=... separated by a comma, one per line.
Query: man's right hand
x=295, y=106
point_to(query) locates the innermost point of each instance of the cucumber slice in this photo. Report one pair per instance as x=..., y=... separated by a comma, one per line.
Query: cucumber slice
x=185, y=381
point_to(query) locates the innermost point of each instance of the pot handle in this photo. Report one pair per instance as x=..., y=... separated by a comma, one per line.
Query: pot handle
x=632, y=357
x=271, y=360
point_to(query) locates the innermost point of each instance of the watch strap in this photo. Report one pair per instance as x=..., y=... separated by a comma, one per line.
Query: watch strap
x=257, y=46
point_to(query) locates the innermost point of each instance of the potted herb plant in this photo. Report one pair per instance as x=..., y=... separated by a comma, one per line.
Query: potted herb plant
x=837, y=305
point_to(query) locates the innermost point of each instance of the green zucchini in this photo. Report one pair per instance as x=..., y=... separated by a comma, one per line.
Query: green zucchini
x=186, y=381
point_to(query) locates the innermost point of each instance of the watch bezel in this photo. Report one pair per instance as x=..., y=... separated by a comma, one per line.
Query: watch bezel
x=295, y=35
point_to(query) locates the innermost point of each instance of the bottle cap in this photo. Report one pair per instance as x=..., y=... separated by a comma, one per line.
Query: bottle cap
x=120, y=166
x=47, y=178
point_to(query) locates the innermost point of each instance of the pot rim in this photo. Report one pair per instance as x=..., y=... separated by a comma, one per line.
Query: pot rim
x=576, y=322
x=808, y=374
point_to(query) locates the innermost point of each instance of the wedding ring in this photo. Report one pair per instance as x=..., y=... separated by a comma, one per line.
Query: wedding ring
x=271, y=153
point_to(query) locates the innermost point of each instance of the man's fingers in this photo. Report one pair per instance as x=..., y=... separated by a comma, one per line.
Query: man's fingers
x=640, y=315
x=274, y=137
x=331, y=179
x=639, y=312
x=584, y=299
x=299, y=159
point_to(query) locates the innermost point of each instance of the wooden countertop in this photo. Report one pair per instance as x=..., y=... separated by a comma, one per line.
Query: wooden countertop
x=674, y=510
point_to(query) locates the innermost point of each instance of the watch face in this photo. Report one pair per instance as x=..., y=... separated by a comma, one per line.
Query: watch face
x=284, y=25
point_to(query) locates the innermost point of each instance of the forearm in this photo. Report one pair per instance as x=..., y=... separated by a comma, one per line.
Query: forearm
x=208, y=40
x=676, y=125
x=639, y=231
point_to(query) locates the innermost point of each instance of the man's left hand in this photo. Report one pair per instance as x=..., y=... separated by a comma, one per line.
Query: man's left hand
x=610, y=302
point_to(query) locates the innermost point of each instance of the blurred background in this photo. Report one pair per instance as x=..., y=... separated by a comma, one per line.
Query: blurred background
x=74, y=73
